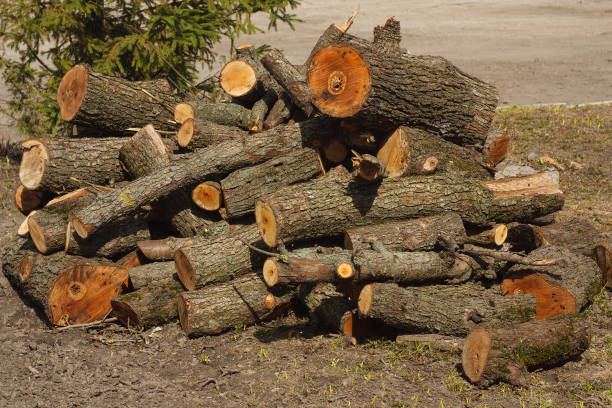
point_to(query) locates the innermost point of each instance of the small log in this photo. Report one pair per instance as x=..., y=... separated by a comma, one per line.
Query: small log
x=505, y=353
x=197, y=133
x=280, y=112
x=525, y=237
x=368, y=167
x=565, y=287
x=239, y=80
x=228, y=114
x=603, y=257
x=383, y=90
x=208, y=196
x=162, y=249
x=447, y=310
x=212, y=164
x=28, y=200
x=425, y=166
x=144, y=153
x=95, y=100
x=328, y=206
x=492, y=236
x=52, y=165
x=260, y=110
x=217, y=259
x=335, y=151
x=12, y=253
x=217, y=308
x=328, y=308
x=242, y=187
x=421, y=234
x=182, y=112
x=289, y=78
x=496, y=145
x=151, y=274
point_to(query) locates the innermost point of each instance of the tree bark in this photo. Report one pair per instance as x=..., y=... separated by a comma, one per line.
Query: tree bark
x=505, y=353
x=350, y=76
x=151, y=274
x=12, y=253
x=448, y=310
x=198, y=133
x=565, y=287
x=208, y=164
x=95, y=100
x=260, y=110
x=242, y=187
x=328, y=308
x=228, y=114
x=144, y=153
x=162, y=249
x=329, y=206
x=280, y=112
x=217, y=308
x=49, y=165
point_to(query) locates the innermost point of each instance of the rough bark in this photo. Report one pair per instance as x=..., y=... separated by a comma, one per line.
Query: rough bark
x=49, y=165
x=448, y=310
x=91, y=99
x=12, y=253
x=151, y=274
x=280, y=112
x=494, y=236
x=389, y=89
x=328, y=308
x=242, y=187
x=565, y=287
x=260, y=110
x=217, y=308
x=144, y=153
x=505, y=353
x=329, y=206
x=197, y=133
x=27, y=200
x=421, y=234
x=228, y=114
x=162, y=249
x=212, y=163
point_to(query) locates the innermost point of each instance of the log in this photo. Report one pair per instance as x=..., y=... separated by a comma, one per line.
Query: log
x=217, y=308
x=52, y=165
x=162, y=249
x=144, y=153
x=368, y=167
x=217, y=259
x=228, y=114
x=525, y=237
x=290, y=78
x=565, y=287
x=95, y=100
x=335, y=151
x=328, y=206
x=421, y=234
x=496, y=145
x=197, y=133
x=208, y=196
x=182, y=112
x=505, y=353
x=12, y=253
x=132, y=260
x=152, y=274
x=241, y=188
x=328, y=308
x=447, y=310
x=207, y=164
x=492, y=236
x=260, y=110
x=363, y=140
x=603, y=257
x=349, y=76
x=280, y=112
x=27, y=201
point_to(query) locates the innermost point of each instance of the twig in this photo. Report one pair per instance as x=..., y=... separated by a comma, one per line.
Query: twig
x=506, y=256
x=91, y=324
x=349, y=22
x=170, y=108
x=161, y=132
x=95, y=186
x=336, y=398
x=261, y=251
x=210, y=381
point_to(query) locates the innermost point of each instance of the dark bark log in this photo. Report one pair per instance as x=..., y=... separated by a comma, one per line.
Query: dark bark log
x=280, y=112
x=228, y=114
x=242, y=187
x=28, y=200
x=197, y=133
x=328, y=206
x=448, y=310
x=525, y=237
x=363, y=140
x=208, y=164
x=217, y=308
x=421, y=234
x=565, y=287
x=144, y=153
x=162, y=249
x=505, y=353
x=328, y=308
x=350, y=76
x=12, y=253
x=49, y=165
x=95, y=100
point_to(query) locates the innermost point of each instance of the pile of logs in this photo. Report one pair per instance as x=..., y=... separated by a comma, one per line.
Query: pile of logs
x=358, y=187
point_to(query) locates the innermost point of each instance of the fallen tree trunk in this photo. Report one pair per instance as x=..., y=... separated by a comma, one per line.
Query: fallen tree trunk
x=448, y=310
x=565, y=287
x=162, y=249
x=61, y=165
x=217, y=308
x=95, y=100
x=144, y=153
x=197, y=133
x=328, y=206
x=349, y=76
x=505, y=353
x=208, y=164
x=368, y=167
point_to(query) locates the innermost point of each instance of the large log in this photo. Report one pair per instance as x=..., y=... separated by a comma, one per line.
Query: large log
x=228, y=114
x=61, y=165
x=565, y=287
x=242, y=187
x=144, y=153
x=219, y=307
x=197, y=133
x=211, y=163
x=493, y=353
x=383, y=89
x=449, y=310
x=92, y=99
x=328, y=206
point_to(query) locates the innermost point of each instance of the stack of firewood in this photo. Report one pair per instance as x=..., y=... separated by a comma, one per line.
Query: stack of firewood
x=358, y=186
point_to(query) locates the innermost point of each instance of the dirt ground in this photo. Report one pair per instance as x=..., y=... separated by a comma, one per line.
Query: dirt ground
x=538, y=51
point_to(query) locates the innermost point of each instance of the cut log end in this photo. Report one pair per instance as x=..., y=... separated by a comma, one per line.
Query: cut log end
x=238, y=78
x=475, y=353
x=183, y=310
x=182, y=112
x=339, y=81
x=270, y=272
x=266, y=223
x=83, y=293
x=81, y=228
x=24, y=229
x=37, y=233
x=603, y=257
x=428, y=165
x=208, y=196
x=185, y=269
x=27, y=200
x=551, y=300
x=365, y=299
x=185, y=132
x=335, y=151
x=71, y=91
x=345, y=270
x=24, y=269
x=33, y=163
x=270, y=301
x=125, y=313
x=500, y=233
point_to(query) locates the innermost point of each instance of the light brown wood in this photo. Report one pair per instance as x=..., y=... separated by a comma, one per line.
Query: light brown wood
x=238, y=78
x=182, y=112
x=335, y=151
x=208, y=196
x=33, y=163
x=395, y=153
x=71, y=92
